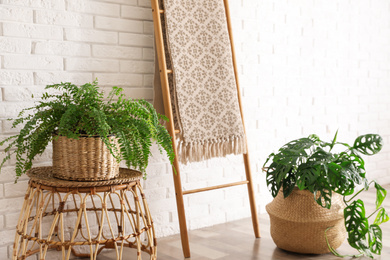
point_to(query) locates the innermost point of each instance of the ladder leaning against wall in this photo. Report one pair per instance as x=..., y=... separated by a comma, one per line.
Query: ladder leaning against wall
x=158, y=14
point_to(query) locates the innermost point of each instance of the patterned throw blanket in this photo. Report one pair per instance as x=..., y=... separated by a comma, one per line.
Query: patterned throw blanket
x=203, y=87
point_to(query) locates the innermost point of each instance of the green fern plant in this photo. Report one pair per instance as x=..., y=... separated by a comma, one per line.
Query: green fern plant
x=310, y=164
x=82, y=111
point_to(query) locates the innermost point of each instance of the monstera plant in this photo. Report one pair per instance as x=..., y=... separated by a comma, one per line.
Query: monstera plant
x=312, y=164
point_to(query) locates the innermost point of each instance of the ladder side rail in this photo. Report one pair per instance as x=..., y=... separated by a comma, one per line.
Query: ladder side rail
x=248, y=173
x=170, y=125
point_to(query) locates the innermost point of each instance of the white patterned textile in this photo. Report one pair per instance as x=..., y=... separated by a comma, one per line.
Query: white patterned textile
x=203, y=87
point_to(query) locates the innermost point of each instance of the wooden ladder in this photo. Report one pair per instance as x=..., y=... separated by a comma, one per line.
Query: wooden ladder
x=157, y=13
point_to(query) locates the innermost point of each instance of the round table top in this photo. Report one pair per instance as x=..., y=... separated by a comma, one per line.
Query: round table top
x=44, y=176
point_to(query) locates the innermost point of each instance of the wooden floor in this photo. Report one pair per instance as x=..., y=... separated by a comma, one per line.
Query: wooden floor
x=235, y=241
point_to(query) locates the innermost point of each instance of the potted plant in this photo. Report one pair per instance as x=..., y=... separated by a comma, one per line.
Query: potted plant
x=81, y=117
x=312, y=166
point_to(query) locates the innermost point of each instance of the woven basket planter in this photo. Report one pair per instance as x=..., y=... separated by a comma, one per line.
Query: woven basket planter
x=85, y=159
x=298, y=223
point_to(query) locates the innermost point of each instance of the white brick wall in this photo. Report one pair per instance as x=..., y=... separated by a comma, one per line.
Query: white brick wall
x=312, y=66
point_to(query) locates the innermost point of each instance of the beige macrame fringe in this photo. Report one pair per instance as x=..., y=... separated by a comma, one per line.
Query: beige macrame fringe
x=199, y=151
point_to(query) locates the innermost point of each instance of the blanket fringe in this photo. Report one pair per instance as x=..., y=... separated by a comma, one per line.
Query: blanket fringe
x=199, y=151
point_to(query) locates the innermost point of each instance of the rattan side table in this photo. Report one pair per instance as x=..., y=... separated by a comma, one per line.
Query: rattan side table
x=83, y=218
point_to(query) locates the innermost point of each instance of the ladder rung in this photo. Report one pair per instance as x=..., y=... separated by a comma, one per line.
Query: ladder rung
x=161, y=11
x=168, y=71
x=215, y=187
x=177, y=131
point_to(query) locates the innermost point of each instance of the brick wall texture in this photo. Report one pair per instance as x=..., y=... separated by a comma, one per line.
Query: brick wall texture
x=310, y=66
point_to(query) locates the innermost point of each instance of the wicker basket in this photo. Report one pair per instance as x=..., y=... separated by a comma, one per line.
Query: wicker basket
x=298, y=223
x=85, y=159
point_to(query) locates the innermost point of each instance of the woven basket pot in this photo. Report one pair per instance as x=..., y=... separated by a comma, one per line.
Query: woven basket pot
x=298, y=223
x=84, y=159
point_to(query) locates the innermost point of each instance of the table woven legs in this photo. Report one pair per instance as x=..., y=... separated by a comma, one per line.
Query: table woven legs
x=84, y=221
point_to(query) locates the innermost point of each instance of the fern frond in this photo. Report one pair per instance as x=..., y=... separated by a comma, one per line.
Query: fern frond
x=77, y=111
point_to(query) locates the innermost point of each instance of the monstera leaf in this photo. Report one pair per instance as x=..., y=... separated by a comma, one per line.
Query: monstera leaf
x=368, y=144
x=356, y=224
x=294, y=152
x=319, y=156
x=339, y=177
x=364, y=248
x=375, y=239
x=380, y=195
x=381, y=217
x=288, y=184
x=367, y=239
x=324, y=199
x=276, y=173
x=272, y=185
x=307, y=175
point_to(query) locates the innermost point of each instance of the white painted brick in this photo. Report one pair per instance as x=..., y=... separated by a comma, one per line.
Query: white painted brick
x=159, y=182
x=48, y=78
x=33, y=62
x=3, y=252
x=13, y=190
x=95, y=65
x=123, y=2
x=48, y=4
x=148, y=27
x=62, y=48
x=156, y=194
x=119, y=52
x=14, y=45
x=7, y=173
x=144, y=3
x=195, y=176
x=133, y=39
x=162, y=205
x=137, y=66
x=32, y=31
x=157, y=169
x=238, y=213
x=148, y=80
x=1, y=224
x=148, y=54
x=1, y=191
x=205, y=221
x=134, y=93
x=89, y=35
x=17, y=14
x=197, y=211
x=137, y=13
x=160, y=218
x=236, y=192
x=63, y=18
x=16, y=78
x=11, y=219
x=121, y=25
x=11, y=204
x=7, y=128
x=130, y=80
x=93, y=7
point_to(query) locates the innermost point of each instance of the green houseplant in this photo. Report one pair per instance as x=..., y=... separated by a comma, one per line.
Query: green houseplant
x=313, y=165
x=77, y=111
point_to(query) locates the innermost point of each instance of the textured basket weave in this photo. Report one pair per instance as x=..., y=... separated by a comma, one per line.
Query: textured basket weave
x=298, y=223
x=85, y=159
